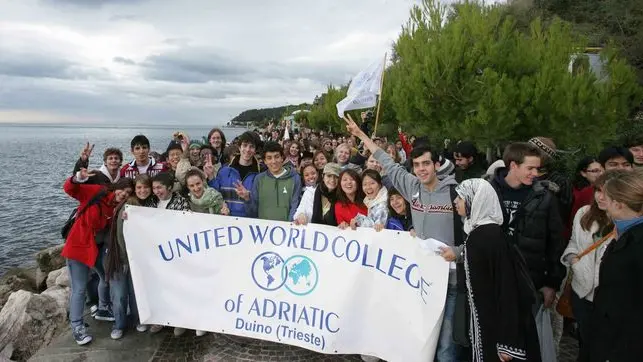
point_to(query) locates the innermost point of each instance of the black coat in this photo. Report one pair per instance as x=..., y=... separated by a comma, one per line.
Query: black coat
x=538, y=232
x=617, y=319
x=97, y=179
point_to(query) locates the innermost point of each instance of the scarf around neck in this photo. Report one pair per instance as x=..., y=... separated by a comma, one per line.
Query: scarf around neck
x=381, y=197
x=210, y=198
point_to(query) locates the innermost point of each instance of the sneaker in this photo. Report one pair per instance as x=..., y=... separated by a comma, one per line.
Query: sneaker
x=201, y=333
x=93, y=310
x=141, y=328
x=81, y=336
x=116, y=334
x=105, y=315
x=178, y=331
x=155, y=328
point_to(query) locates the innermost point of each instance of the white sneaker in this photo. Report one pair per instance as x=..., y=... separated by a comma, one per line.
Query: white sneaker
x=201, y=333
x=156, y=328
x=141, y=328
x=116, y=334
x=178, y=331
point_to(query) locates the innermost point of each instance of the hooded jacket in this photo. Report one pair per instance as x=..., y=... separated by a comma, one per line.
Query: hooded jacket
x=274, y=198
x=431, y=211
x=80, y=244
x=536, y=228
x=225, y=182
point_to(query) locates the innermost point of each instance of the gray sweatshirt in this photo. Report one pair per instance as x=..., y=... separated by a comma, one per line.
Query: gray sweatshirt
x=432, y=212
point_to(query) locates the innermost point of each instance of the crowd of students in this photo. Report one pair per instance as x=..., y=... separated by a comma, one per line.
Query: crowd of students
x=513, y=228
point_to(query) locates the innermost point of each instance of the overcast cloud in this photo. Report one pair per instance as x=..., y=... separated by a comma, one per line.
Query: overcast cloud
x=188, y=62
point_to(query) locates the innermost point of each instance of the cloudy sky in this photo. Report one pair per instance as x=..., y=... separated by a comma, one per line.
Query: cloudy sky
x=181, y=62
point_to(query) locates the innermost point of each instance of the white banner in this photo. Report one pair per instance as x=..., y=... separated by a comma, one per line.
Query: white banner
x=317, y=287
x=363, y=89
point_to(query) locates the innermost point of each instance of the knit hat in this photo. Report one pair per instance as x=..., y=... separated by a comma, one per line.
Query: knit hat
x=195, y=144
x=332, y=169
x=446, y=168
x=545, y=145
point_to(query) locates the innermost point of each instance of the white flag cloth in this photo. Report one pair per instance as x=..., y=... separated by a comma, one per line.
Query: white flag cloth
x=363, y=90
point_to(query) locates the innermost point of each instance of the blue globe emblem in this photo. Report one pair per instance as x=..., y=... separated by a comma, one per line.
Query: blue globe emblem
x=298, y=273
x=266, y=271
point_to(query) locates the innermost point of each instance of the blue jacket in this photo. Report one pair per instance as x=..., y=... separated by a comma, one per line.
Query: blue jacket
x=225, y=182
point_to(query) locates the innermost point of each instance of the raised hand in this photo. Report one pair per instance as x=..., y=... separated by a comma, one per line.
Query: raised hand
x=352, y=127
x=86, y=152
x=84, y=174
x=208, y=168
x=242, y=191
x=185, y=143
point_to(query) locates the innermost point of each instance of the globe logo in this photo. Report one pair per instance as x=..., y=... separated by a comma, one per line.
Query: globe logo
x=266, y=271
x=298, y=273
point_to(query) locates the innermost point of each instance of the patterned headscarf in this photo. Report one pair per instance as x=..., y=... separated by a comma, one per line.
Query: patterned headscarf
x=481, y=202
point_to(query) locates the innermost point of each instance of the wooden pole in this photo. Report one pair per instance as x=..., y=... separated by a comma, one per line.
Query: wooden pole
x=379, y=99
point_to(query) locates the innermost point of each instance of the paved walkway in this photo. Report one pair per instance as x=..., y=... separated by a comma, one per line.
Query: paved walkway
x=164, y=347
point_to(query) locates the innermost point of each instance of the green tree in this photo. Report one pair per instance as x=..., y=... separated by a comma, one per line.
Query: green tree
x=471, y=72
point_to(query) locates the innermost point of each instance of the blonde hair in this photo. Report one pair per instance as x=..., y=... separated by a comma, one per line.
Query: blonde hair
x=625, y=187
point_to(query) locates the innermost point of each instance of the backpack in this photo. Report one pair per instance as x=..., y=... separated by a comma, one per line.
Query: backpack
x=64, y=231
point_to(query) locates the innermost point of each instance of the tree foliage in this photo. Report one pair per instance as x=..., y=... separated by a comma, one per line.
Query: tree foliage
x=471, y=72
x=261, y=117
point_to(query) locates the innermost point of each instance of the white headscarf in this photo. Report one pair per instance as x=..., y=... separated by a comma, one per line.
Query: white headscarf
x=482, y=204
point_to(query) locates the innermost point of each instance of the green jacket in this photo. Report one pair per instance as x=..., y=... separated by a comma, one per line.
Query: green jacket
x=274, y=198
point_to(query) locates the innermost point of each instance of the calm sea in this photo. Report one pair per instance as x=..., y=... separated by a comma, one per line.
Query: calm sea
x=34, y=162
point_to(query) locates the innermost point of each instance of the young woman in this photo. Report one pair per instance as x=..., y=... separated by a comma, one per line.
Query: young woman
x=591, y=225
x=162, y=186
x=616, y=333
x=587, y=171
x=501, y=325
x=320, y=159
x=293, y=154
x=399, y=212
x=117, y=264
x=217, y=140
x=204, y=199
x=318, y=206
x=392, y=151
x=309, y=176
x=376, y=200
x=350, y=198
x=85, y=246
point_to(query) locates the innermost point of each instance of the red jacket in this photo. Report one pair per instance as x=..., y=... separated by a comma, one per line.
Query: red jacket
x=130, y=170
x=346, y=212
x=405, y=145
x=81, y=243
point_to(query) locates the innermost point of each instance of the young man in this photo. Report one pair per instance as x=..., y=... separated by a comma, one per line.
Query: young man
x=275, y=192
x=531, y=216
x=432, y=213
x=465, y=154
x=635, y=145
x=109, y=171
x=142, y=162
x=238, y=175
x=616, y=158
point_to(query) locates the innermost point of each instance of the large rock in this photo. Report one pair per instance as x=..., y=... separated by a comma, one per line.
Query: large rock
x=29, y=321
x=63, y=278
x=53, y=275
x=60, y=295
x=17, y=279
x=50, y=259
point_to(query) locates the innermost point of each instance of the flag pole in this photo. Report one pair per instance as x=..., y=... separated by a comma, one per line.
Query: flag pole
x=379, y=99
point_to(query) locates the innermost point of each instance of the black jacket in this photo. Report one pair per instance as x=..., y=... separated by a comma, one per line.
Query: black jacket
x=538, y=232
x=617, y=319
x=97, y=179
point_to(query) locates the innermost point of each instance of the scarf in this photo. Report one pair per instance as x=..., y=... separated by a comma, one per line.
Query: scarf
x=210, y=199
x=322, y=191
x=381, y=197
x=103, y=169
x=481, y=202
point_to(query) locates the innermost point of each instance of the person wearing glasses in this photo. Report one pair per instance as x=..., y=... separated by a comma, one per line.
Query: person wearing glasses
x=588, y=170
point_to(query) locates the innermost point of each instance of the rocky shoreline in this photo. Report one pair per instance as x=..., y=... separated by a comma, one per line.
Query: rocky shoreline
x=33, y=305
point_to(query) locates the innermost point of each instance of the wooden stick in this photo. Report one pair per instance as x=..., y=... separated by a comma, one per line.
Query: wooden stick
x=379, y=99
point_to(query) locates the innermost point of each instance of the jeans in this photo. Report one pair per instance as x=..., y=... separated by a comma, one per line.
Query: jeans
x=582, y=313
x=447, y=350
x=122, y=292
x=78, y=276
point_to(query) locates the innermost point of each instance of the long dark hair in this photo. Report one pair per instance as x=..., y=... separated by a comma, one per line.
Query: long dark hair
x=113, y=263
x=359, y=193
x=374, y=175
x=596, y=215
x=391, y=212
x=579, y=181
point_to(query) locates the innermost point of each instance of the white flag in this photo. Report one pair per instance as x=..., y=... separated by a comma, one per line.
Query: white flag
x=363, y=90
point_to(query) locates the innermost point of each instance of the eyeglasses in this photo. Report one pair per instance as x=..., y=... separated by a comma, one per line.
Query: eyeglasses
x=596, y=170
